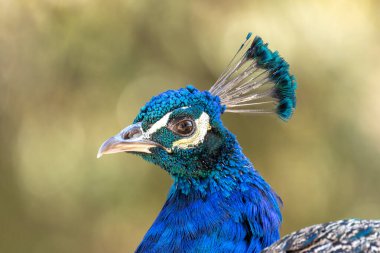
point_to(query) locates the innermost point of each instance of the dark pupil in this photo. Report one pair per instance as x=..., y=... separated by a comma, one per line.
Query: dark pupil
x=184, y=127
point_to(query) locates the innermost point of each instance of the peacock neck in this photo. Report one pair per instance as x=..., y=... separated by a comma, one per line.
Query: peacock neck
x=227, y=171
x=231, y=210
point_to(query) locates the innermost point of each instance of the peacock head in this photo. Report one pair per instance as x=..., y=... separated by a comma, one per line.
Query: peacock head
x=181, y=130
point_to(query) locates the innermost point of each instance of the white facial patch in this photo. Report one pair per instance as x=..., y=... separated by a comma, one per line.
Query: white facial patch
x=202, y=126
x=159, y=124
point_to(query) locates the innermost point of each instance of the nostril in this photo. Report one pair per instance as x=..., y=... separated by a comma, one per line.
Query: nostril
x=132, y=133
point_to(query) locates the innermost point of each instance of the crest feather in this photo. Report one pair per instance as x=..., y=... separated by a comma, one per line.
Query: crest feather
x=257, y=80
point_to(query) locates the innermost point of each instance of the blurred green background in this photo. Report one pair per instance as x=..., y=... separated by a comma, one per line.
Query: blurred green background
x=74, y=72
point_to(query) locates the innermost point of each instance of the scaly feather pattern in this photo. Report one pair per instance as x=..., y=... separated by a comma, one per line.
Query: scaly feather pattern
x=343, y=236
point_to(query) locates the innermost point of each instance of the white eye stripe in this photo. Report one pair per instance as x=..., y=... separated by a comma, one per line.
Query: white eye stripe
x=202, y=126
x=159, y=124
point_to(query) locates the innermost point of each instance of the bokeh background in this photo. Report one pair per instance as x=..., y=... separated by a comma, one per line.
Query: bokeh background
x=74, y=72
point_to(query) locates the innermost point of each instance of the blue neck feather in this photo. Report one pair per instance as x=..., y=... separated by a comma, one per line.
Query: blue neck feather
x=232, y=209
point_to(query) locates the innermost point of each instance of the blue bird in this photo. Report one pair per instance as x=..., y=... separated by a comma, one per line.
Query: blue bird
x=218, y=201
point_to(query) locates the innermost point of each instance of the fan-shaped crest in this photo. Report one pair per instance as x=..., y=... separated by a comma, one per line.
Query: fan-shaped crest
x=257, y=80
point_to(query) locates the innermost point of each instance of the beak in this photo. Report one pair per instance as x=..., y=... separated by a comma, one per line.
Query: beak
x=130, y=139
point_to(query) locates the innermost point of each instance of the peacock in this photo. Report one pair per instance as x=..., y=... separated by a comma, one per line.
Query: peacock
x=218, y=201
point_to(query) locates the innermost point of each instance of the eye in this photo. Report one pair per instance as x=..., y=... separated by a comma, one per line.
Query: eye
x=183, y=127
